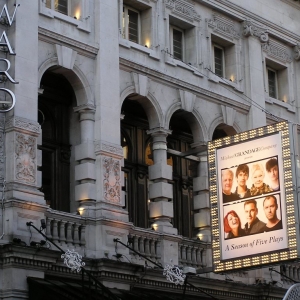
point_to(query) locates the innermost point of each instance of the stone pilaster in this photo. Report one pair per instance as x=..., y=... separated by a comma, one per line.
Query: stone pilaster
x=254, y=69
x=201, y=202
x=160, y=191
x=85, y=174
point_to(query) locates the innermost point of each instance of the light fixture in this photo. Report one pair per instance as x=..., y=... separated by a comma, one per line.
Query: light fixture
x=43, y=224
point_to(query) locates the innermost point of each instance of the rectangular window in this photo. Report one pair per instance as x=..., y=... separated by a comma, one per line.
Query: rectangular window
x=272, y=83
x=219, y=61
x=61, y=6
x=131, y=28
x=177, y=43
x=72, y=8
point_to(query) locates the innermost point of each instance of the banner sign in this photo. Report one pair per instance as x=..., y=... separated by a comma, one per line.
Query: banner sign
x=252, y=200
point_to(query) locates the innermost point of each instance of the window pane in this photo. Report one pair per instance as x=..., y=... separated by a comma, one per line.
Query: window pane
x=61, y=6
x=272, y=83
x=218, y=61
x=177, y=44
x=48, y=3
x=133, y=18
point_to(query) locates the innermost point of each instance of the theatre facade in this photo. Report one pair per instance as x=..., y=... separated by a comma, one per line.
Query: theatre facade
x=107, y=112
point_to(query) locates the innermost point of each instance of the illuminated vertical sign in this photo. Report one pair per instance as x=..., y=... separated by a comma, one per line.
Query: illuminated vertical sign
x=252, y=199
x=5, y=46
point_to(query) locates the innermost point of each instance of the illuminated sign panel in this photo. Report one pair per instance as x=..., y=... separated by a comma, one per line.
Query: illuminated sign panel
x=252, y=200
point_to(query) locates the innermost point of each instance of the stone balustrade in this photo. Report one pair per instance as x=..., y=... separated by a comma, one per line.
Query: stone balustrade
x=192, y=253
x=146, y=242
x=292, y=271
x=66, y=230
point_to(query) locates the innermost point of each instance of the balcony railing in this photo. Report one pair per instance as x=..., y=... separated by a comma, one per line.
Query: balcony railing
x=146, y=242
x=192, y=253
x=65, y=229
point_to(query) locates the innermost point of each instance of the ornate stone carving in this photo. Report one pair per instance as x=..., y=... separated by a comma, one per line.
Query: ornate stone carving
x=224, y=26
x=25, y=158
x=183, y=9
x=277, y=50
x=297, y=52
x=111, y=181
x=23, y=124
x=249, y=28
x=1, y=157
x=108, y=148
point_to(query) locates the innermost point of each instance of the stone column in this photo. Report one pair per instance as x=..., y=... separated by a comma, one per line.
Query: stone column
x=160, y=191
x=254, y=70
x=85, y=191
x=201, y=201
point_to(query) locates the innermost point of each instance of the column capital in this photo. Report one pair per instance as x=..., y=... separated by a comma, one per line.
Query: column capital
x=159, y=131
x=85, y=108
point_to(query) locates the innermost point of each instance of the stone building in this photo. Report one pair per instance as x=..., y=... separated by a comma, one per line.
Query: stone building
x=115, y=101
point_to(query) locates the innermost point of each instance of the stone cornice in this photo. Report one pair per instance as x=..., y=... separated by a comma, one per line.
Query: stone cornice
x=176, y=83
x=106, y=148
x=183, y=9
x=54, y=38
x=240, y=14
x=23, y=125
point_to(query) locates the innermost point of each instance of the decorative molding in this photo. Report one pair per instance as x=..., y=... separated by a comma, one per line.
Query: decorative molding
x=249, y=28
x=1, y=157
x=183, y=9
x=127, y=65
x=297, y=52
x=66, y=56
x=224, y=26
x=112, y=180
x=187, y=100
x=109, y=149
x=141, y=84
x=115, y=233
x=228, y=114
x=25, y=151
x=55, y=38
x=24, y=125
x=277, y=50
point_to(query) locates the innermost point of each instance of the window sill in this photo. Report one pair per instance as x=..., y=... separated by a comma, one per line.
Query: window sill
x=214, y=78
x=50, y=13
x=128, y=44
x=178, y=63
x=280, y=103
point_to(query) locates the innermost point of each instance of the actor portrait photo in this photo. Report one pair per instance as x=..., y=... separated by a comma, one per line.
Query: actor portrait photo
x=232, y=225
x=253, y=225
x=242, y=175
x=258, y=186
x=272, y=171
x=270, y=208
x=227, y=181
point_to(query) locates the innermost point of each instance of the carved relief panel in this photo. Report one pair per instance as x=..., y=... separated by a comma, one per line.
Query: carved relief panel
x=25, y=150
x=111, y=179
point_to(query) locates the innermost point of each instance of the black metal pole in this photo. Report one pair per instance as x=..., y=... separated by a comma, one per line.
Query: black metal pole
x=48, y=239
x=271, y=269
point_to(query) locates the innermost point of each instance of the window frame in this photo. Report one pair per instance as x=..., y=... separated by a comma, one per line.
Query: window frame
x=223, y=59
x=125, y=24
x=276, y=82
x=172, y=28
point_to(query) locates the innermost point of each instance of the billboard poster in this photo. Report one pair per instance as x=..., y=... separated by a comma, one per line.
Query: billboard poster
x=249, y=209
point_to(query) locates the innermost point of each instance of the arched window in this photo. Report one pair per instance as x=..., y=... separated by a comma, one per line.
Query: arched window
x=137, y=157
x=180, y=140
x=54, y=115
